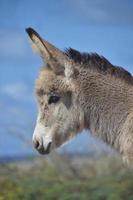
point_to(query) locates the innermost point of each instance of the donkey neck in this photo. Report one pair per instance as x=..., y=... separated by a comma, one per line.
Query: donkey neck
x=102, y=99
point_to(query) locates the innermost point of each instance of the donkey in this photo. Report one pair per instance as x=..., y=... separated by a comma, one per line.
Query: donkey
x=77, y=91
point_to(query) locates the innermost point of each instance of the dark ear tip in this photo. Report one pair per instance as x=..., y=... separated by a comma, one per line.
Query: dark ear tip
x=31, y=31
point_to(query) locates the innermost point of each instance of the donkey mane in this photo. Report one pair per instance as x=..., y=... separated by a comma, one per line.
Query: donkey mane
x=99, y=63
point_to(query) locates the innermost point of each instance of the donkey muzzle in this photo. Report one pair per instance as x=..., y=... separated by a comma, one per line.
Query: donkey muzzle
x=42, y=139
x=42, y=148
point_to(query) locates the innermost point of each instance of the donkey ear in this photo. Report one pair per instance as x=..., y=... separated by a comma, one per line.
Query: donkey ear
x=38, y=44
x=58, y=61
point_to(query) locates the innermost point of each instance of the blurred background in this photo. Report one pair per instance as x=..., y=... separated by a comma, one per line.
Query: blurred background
x=102, y=26
x=105, y=27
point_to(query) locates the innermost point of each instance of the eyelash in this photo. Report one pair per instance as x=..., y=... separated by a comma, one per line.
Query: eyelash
x=53, y=99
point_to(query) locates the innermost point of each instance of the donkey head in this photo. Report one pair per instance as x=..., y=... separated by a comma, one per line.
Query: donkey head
x=60, y=116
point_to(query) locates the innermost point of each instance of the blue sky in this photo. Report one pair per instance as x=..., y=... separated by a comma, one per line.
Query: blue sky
x=102, y=26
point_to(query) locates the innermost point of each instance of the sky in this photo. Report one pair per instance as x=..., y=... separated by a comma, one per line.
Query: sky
x=102, y=26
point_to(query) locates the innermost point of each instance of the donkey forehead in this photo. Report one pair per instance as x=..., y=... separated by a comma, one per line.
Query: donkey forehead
x=47, y=82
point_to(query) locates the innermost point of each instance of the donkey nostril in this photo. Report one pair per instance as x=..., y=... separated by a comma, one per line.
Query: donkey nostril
x=48, y=147
x=36, y=144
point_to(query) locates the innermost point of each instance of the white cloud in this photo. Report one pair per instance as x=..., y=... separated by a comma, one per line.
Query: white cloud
x=18, y=91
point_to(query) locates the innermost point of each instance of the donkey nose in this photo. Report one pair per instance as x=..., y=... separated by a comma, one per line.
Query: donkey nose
x=36, y=143
x=42, y=149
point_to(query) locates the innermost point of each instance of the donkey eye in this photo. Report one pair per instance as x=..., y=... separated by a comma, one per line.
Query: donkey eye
x=53, y=99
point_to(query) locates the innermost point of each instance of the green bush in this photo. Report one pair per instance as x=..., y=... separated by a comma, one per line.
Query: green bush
x=43, y=180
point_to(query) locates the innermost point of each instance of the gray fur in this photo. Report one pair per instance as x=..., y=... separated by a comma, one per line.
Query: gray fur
x=94, y=95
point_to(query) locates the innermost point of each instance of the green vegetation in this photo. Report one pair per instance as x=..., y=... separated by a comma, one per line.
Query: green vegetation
x=64, y=178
